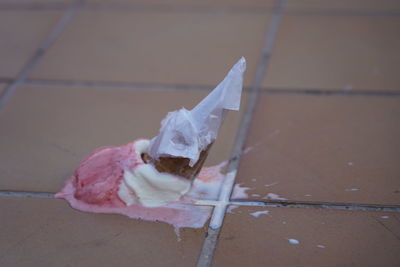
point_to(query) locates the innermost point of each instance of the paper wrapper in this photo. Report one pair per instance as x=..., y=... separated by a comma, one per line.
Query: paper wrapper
x=186, y=137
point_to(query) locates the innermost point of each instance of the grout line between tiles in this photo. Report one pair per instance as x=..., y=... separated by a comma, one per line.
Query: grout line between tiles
x=37, y=56
x=249, y=203
x=213, y=231
x=318, y=205
x=329, y=92
x=341, y=12
x=115, y=85
x=25, y=194
x=135, y=86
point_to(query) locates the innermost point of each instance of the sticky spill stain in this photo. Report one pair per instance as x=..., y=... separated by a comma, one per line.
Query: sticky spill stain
x=320, y=246
x=258, y=213
x=182, y=213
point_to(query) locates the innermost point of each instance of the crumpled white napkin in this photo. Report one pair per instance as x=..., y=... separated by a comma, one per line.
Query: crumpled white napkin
x=186, y=133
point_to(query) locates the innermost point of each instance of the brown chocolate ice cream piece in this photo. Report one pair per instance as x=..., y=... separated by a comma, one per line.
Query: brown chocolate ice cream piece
x=177, y=165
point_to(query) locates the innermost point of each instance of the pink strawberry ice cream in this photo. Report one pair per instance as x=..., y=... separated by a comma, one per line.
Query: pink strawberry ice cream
x=99, y=182
x=98, y=176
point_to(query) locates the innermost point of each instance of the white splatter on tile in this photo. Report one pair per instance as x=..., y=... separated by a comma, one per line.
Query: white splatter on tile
x=253, y=179
x=258, y=213
x=231, y=208
x=349, y=163
x=255, y=195
x=352, y=189
x=273, y=197
x=284, y=222
x=321, y=246
x=239, y=191
x=247, y=149
x=385, y=217
x=307, y=195
x=268, y=185
x=178, y=234
x=293, y=241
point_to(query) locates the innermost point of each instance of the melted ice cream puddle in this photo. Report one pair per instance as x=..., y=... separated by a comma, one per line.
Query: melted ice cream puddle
x=145, y=185
x=105, y=193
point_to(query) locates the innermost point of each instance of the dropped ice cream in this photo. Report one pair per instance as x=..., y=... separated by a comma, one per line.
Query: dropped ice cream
x=127, y=179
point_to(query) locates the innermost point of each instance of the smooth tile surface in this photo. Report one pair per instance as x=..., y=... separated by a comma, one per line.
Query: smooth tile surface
x=191, y=3
x=336, y=52
x=47, y=131
x=195, y=48
x=21, y=33
x=324, y=148
x=2, y=87
x=47, y=232
x=343, y=5
x=347, y=238
x=43, y=3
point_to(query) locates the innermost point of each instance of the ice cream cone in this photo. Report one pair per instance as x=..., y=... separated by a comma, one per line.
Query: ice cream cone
x=186, y=136
x=177, y=165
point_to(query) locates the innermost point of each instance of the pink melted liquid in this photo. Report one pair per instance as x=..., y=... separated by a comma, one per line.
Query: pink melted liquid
x=94, y=188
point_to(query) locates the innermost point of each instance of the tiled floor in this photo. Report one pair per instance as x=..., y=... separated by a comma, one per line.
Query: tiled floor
x=325, y=238
x=324, y=132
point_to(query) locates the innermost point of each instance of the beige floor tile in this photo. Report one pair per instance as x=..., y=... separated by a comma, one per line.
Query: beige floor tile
x=47, y=131
x=21, y=34
x=154, y=47
x=41, y=2
x=47, y=232
x=348, y=238
x=192, y=3
x=2, y=87
x=324, y=148
x=336, y=52
x=358, y=5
